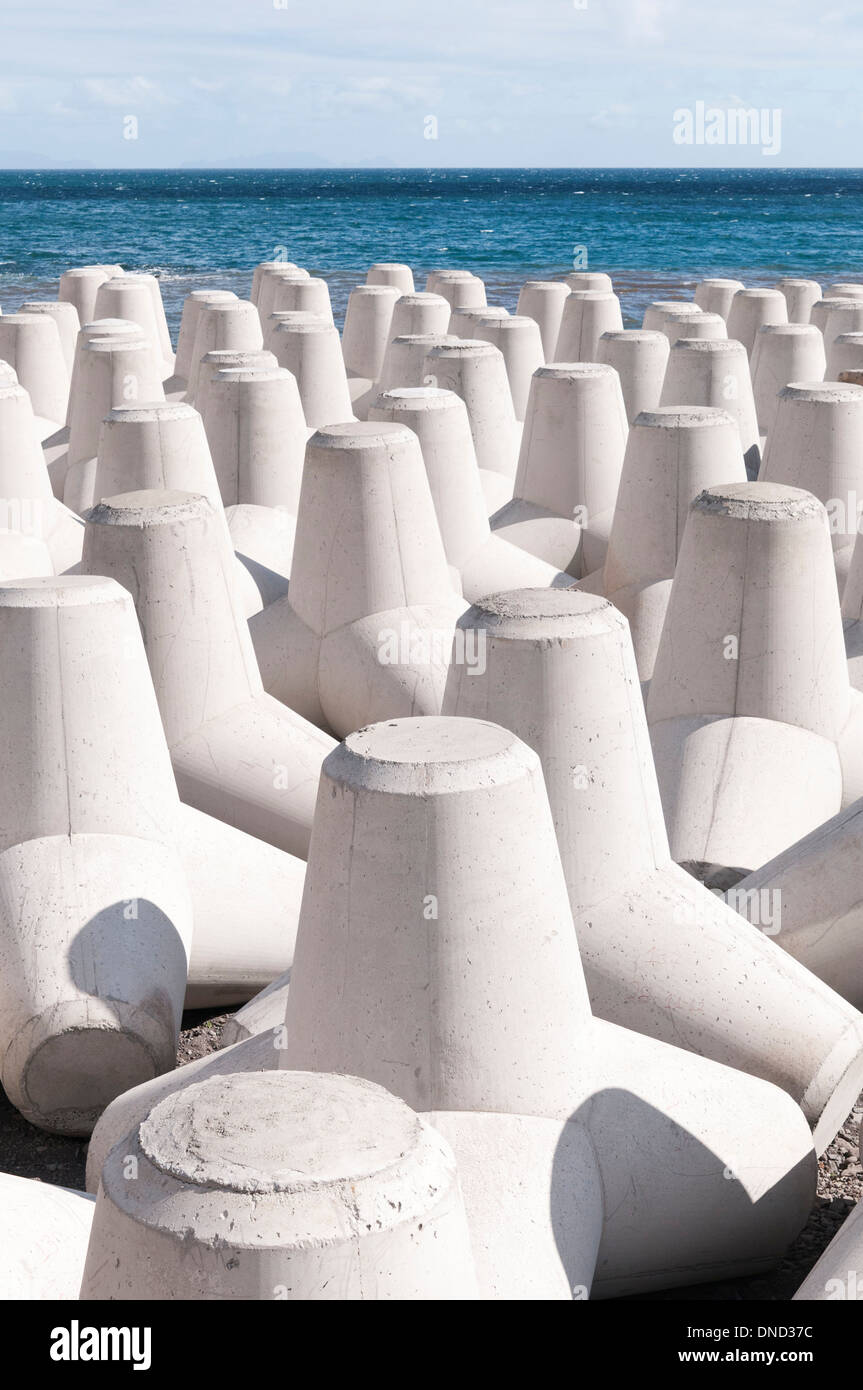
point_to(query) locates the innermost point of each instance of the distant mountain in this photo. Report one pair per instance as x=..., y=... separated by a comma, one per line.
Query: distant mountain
x=26, y=159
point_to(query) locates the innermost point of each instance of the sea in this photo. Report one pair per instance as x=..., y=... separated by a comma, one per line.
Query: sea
x=656, y=231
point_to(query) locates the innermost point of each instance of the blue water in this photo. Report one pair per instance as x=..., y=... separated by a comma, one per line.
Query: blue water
x=655, y=231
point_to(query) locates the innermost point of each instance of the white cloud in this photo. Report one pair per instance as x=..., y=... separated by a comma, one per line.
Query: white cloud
x=124, y=91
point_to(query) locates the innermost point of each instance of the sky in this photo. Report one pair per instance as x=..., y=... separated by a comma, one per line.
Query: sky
x=428, y=83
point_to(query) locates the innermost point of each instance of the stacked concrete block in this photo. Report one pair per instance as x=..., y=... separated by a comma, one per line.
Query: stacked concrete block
x=231, y=323
x=587, y=314
x=311, y=351
x=66, y=318
x=392, y=273
x=32, y=346
x=845, y=354
x=192, y=306
x=31, y=518
x=751, y=310
x=519, y=340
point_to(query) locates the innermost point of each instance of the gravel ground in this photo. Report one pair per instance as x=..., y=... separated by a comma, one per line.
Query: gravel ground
x=30, y=1153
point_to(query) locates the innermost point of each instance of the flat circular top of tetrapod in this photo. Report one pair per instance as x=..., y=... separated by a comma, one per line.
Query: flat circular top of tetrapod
x=310, y=324
x=855, y=338
x=789, y=330
x=278, y=1131
x=506, y=322
x=545, y=615
x=633, y=335
x=87, y=269
x=361, y=434
x=432, y=339
x=601, y=295
x=377, y=291
x=719, y=280
x=250, y=373
x=548, y=286
x=275, y=265
x=825, y=392
x=453, y=275
x=419, y=398
x=389, y=265
x=759, y=292
x=837, y=302
x=672, y=417
x=53, y=306
x=298, y=315
x=228, y=306
x=210, y=296
x=118, y=342
x=844, y=288
x=709, y=345
x=143, y=411
x=61, y=591
x=758, y=502
x=21, y=317
x=153, y=507
x=104, y=327
x=420, y=297
x=429, y=756
x=575, y=371
x=239, y=357
x=463, y=347
x=671, y=306
x=792, y=280
x=130, y=278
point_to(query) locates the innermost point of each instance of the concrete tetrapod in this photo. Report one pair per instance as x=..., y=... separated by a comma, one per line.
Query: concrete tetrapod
x=754, y=724
x=419, y=313
x=44, y=1232
x=568, y=468
x=257, y=433
x=783, y=352
x=715, y=296
x=816, y=443
x=484, y=562
x=96, y=918
x=838, y=1275
x=800, y=295
x=305, y=294
x=543, y=301
x=476, y=371
x=333, y=1190
x=405, y=974
x=836, y=316
x=587, y=314
x=640, y=357
x=672, y=453
x=391, y=273
x=715, y=372
x=589, y=280
x=132, y=297
x=519, y=341
x=463, y=321
x=270, y=281
x=751, y=310
x=404, y=359
x=27, y=504
x=461, y=290
x=31, y=344
x=154, y=444
x=262, y=271
x=366, y=631
x=112, y=371
x=66, y=318
x=368, y=319
x=237, y=753
x=228, y=324
x=844, y=355
x=852, y=616
x=79, y=287
x=662, y=955
x=656, y=312
x=810, y=898
x=312, y=353
x=192, y=306
x=221, y=358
